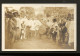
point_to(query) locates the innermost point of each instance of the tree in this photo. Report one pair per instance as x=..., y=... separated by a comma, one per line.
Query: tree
x=58, y=12
x=27, y=11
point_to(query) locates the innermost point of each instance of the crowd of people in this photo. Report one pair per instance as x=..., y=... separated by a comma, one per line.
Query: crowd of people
x=27, y=28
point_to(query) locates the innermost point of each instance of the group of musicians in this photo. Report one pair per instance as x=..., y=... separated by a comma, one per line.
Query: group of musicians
x=35, y=29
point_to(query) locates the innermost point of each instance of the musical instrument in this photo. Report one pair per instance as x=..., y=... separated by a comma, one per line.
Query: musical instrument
x=42, y=29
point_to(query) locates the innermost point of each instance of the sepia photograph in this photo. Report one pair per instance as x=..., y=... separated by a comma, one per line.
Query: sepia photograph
x=39, y=27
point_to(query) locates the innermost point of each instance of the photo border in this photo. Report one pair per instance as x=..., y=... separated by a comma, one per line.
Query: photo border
x=43, y=2
x=43, y=5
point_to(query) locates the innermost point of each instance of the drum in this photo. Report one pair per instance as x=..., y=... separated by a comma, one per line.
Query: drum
x=27, y=32
x=42, y=29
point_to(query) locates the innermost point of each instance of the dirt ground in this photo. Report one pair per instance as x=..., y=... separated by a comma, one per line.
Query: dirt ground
x=35, y=44
x=43, y=43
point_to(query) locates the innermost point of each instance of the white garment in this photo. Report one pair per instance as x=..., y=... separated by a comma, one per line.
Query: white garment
x=49, y=24
x=31, y=23
x=35, y=24
x=26, y=22
x=71, y=31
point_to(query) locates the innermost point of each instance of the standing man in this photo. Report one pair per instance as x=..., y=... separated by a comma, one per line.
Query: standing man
x=23, y=30
x=55, y=28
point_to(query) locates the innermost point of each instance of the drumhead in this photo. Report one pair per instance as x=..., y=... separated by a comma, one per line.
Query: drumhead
x=42, y=30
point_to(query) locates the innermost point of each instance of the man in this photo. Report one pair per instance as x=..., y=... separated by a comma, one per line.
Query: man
x=55, y=28
x=64, y=33
x=23, y=30
x=64, y=30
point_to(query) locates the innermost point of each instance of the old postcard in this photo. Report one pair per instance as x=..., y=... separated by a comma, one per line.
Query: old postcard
x=39, y=27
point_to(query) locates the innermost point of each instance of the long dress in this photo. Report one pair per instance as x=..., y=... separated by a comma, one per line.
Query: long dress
x=71, y=31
